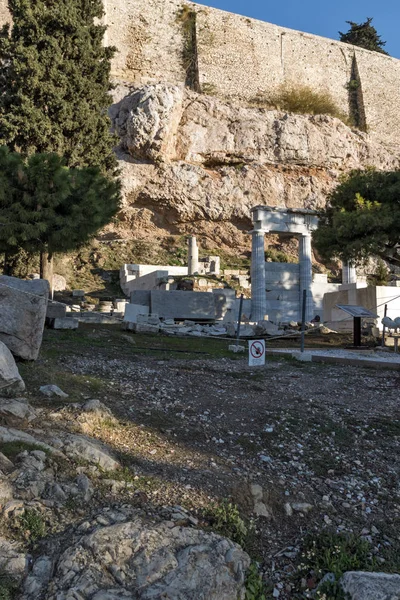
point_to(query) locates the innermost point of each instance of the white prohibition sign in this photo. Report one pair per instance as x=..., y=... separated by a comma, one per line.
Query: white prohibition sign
x=256, y=353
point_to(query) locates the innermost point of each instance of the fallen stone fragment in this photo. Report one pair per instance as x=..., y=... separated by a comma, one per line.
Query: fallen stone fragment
x=11, y=383
x=52, y=390
x=371, y=586
x=64, y=323
x=14, y=411
x=23, y=306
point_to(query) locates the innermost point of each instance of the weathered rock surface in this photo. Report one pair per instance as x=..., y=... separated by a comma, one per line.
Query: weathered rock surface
x=11, y=383
x=146, y=560
x=12, y=412
x=52, y=390
x=371, y=586
x=192, y=162
x=91, y=450
x=13, y=562
x=22, y=315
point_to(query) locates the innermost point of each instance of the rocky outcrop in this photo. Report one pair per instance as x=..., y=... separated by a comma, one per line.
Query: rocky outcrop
x=147, y=560
x=22, y=315
x=194, y=163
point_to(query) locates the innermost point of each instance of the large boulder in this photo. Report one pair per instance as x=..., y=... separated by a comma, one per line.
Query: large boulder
x=149, y=561
x=23, y=307
x=11, y=383
x=371, y=586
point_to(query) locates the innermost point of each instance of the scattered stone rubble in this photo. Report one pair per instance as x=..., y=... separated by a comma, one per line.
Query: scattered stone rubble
x=153, y=324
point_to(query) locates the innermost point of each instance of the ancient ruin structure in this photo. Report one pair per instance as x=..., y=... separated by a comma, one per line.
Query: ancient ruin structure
x=296, y=222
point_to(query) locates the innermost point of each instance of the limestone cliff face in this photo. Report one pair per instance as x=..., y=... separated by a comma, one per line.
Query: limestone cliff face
x=192, y=163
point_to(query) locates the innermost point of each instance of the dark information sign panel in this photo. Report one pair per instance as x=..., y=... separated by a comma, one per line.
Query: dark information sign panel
x=357, y=311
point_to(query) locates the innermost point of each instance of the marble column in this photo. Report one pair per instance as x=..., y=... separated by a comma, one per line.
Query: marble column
x=305, y=259
x=349, y=273
x=258, y=294
x=193, y=256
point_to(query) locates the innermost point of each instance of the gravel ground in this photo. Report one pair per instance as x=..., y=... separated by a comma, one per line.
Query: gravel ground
x=321, y=440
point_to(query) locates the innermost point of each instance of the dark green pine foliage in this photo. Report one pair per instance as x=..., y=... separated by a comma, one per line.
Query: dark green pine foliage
x=55, y=82
x=364, y=35
x=362, y=218
x=47, y=207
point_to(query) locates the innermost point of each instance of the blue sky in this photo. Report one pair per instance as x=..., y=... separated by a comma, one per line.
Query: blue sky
x=322, y=17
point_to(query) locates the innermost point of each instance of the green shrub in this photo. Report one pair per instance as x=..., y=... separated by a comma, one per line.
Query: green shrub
x=332, y=553
x=8, y=587
x=33, y=525
x=303, y=100
x=227, y=521
x=255, y=588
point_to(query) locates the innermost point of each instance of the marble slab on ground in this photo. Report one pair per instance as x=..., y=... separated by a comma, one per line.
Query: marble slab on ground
x=132, y=311
x=183, y=305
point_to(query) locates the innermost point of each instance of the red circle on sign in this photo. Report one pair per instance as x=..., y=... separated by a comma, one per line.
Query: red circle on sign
x=257, y=350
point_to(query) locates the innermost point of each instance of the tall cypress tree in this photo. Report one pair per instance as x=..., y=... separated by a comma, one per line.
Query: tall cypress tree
x=54, y=88
x=55, y=82
x=364, y=35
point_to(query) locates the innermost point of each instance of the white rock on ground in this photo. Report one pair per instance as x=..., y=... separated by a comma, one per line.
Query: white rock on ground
x=371, y=586
x=52, y=390
x=11, y=383
x=91, y=450
x=148, y=561
x=23, y=307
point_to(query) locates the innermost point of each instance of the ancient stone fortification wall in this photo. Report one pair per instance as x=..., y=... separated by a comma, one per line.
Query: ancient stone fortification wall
x=245, y=59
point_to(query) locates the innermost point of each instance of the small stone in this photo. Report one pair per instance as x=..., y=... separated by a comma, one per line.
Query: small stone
x=288, y=509
x=52, y=390
x=303, y=507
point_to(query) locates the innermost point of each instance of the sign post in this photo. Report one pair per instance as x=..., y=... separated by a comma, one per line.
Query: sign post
x=256, y=353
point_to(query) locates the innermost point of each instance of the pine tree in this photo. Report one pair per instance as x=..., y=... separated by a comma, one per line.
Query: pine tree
x=364, y=35
x=47, y=207
x=55, y=82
